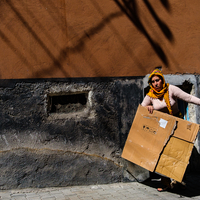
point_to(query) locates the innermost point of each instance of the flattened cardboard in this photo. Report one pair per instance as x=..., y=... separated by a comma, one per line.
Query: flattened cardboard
x=186, y=130
x=147, y=136
x=174, y=159
x=160, y=142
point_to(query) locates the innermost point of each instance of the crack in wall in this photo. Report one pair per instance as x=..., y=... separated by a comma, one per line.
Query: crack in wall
x=64, y=152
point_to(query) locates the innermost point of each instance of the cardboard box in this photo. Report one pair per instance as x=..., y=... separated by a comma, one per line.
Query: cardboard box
x=160, y=142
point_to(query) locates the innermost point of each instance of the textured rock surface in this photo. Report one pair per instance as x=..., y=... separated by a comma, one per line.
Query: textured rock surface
x=40, y=149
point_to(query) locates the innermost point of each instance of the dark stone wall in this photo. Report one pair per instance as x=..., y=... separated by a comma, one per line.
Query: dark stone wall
x=42, y=149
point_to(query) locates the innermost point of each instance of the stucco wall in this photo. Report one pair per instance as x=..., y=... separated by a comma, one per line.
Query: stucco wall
x=41, y=149
x=91, y=38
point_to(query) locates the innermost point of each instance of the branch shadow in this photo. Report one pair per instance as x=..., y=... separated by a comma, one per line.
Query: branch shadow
x=88, y=34
x=57, y=61
x=14, y=49
x=166, y=31
x=37, y=38
x=81, y=43
x=130, y=8
x=166, y=4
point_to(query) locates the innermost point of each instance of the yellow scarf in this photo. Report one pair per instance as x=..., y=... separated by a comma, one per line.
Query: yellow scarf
x=164, y=93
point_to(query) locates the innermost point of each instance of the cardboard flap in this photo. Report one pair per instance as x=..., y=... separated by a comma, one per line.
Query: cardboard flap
x=186, y=130
x=175, y=158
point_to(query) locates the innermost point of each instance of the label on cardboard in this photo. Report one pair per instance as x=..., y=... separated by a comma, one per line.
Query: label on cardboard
x=163, y=123
x=149, y=129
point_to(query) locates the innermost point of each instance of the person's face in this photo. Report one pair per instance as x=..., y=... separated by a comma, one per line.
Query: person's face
x=157, y=83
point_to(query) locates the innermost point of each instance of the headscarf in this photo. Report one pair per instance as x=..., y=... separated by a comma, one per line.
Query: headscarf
x=164, y=93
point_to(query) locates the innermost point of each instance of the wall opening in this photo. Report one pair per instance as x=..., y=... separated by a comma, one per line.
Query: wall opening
x=182, y=105
x=67, y=103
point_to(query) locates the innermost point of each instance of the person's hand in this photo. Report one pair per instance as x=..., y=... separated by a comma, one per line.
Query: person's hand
x=150, y=109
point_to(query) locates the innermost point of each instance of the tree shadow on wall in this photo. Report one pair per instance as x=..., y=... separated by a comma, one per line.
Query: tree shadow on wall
x=166, y=4
x=57, y=61
x=130, y=8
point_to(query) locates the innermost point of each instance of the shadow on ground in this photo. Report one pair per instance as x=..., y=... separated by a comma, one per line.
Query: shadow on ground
x=192, y=185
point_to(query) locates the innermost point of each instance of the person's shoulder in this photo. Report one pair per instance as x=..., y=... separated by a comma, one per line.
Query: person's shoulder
x=147, y=96
x=173, y=87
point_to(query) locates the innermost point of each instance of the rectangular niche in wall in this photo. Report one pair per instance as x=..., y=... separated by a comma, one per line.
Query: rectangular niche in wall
x=67, y=103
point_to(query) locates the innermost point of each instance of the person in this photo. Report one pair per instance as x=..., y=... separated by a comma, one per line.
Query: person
x=164, y=97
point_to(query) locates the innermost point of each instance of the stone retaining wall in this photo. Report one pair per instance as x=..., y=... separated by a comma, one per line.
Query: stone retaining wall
x=41, y=148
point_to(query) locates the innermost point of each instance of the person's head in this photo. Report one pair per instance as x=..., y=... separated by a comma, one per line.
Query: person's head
x=156, y=80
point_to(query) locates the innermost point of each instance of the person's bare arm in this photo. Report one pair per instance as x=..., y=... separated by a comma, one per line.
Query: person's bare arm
x=180, y=94
x=148, y=104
